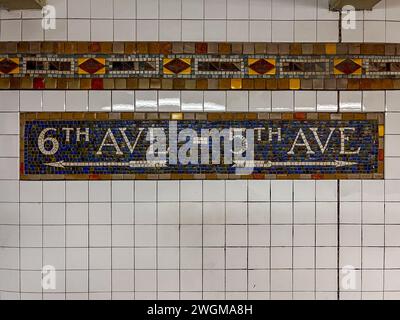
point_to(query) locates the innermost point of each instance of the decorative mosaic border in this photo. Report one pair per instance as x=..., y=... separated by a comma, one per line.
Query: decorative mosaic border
x=199, y=66
x=101, y=116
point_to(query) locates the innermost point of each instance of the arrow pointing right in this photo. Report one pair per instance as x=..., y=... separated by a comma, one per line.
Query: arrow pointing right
x=269, y=164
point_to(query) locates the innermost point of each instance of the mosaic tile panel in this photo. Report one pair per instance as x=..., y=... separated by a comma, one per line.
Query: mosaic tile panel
x=202, y=66
x=202, y=146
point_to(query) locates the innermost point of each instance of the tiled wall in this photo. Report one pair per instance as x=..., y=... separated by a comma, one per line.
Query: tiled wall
x=211, y=239
x=202, y=20
x=193, y=239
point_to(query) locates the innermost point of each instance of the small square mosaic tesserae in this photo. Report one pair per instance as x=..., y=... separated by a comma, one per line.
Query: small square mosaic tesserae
x=199, y=66
x=109, y=146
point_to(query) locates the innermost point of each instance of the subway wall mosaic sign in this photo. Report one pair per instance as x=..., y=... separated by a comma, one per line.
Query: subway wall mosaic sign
x=202, y=146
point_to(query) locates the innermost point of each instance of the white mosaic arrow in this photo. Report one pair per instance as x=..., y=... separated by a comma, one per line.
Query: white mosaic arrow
x=131, y=164
x=269, y=164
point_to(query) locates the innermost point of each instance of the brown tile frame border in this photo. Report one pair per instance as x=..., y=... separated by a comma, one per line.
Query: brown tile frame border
x=159, y=82
x=99, y=116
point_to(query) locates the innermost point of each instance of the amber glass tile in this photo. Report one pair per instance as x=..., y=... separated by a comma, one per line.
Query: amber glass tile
x=142, y=47
x=154, y=48
x=189, y=48
x=296, y=49
x=202, y=84
x=130, y=48
x=144, y=84
x=201, y=48
x=248, y=48
x=4, y=83
x=212, y=84
x=167, y=84
x=248, y=84
x=272, y=48
x=237, y=48
x=62, y=84
x=272, y=84
x=224, y=84
x=224, y=48
x=283, y=84
x=259, y=84
x=155, y=83
x=119, y=47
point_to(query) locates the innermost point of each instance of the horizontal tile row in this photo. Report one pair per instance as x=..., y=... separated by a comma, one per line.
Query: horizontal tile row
x=351, y=191
x=234, y=67
x=186, y=9
x=333, y=84
x=199, y=66
x=196, y=47
x=198, y=30
x=198, y=101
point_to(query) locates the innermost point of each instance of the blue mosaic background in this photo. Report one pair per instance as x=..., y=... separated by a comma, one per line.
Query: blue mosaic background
x=366, y=136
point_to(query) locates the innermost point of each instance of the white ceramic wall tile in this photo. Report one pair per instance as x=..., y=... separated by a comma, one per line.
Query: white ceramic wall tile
x=282, y=101
x=238, y=31
x=192, y=30
x=31, y=100
x=9, y=146
x=392, y=143
x=215, y=30
x=237, y=101
x=147, y=30
x=374, y=101
x=260, y=31
x=305, y=101
x=391, y=35
x=101, y=30
x=101, y=9
x=392, y=123
x=392, y=10
x=170, y=9
x=79, y=8
x=214, y=101
x=146, y=100
x=54, y=100
x=169, y=101
x=354, y=35
x=32, y=30
x=327, y=101
x=282, y=31
x=78, y=30
x=259, y=101
x=9, y=100
x=170, y=30
x=192, y=100
x=77, y=100
x=9, y=123
x=147, y=9
x=99, y=100
x=283, y=10
x=327, y=31
x=9, y=169
x=350, y=101
x=374, y=31
x=215, y=9
x=58, y=34
x=124, y=9
x=392, y=101
x=123, y=101
x=305, y=31
x=11, y=30
x=192, y=9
